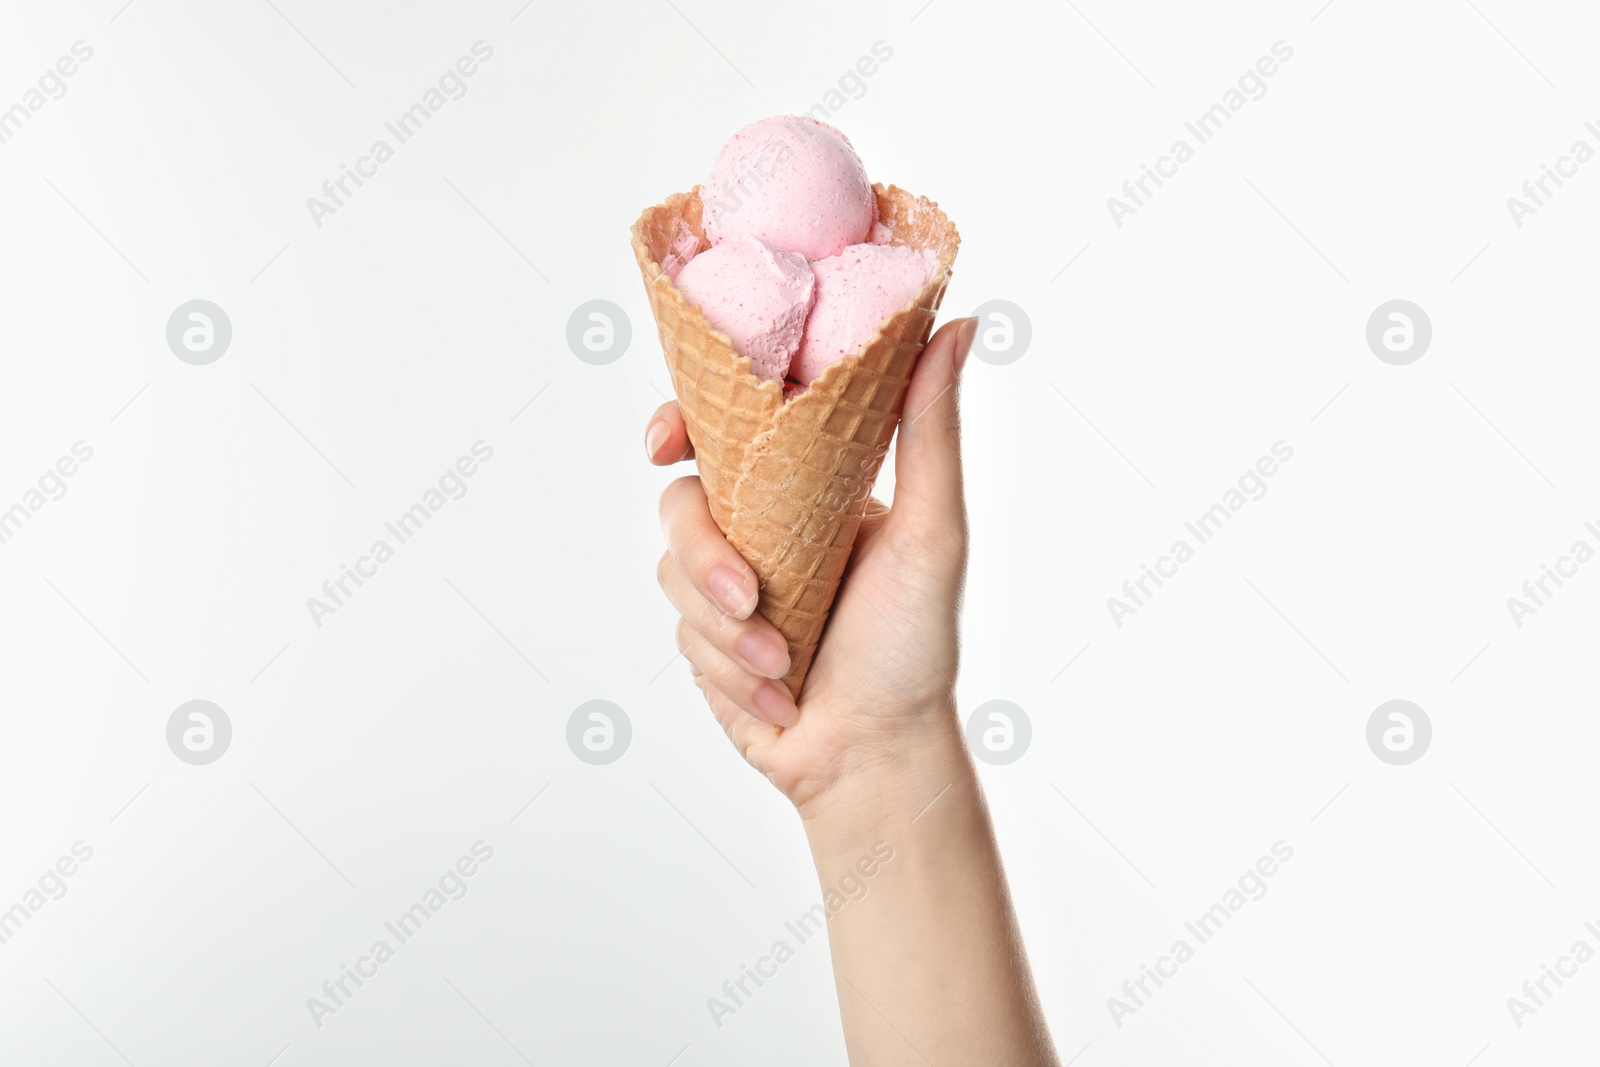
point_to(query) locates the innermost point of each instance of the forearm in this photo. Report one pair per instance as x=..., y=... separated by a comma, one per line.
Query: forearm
x=928, y=961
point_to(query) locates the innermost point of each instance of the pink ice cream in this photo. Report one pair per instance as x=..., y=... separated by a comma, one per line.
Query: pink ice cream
x=856, y=291
x=792, y=182
x=757, y=295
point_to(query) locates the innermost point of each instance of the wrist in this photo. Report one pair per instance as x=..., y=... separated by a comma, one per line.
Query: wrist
x=892, y=781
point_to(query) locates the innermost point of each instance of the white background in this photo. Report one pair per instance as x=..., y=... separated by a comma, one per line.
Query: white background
x=369, y=353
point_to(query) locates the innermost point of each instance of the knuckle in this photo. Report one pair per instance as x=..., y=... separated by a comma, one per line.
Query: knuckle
x=675, y=490
x=702, y=547
x=722, y=672
x=664, y=567
x=937, y=539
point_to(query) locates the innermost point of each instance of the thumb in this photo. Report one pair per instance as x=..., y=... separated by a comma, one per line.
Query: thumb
x=927, y=494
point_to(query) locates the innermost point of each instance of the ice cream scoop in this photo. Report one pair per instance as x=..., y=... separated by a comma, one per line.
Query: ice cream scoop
x=757, y=295
x=856, y=292
x=792, y=182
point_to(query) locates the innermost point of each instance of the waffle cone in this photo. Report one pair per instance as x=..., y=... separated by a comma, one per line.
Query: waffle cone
x=788, y=482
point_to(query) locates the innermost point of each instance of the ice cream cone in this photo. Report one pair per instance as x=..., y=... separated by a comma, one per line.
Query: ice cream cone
x=788, y=481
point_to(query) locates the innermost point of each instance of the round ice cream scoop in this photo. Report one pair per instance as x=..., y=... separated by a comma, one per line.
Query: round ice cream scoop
x=792, y=182
x=856, y=291
x=755, y=294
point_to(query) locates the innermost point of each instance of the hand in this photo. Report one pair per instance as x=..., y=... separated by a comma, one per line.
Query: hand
x=883, y=678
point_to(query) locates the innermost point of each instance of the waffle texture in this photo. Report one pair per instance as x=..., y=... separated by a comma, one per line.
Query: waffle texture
x=788, y=482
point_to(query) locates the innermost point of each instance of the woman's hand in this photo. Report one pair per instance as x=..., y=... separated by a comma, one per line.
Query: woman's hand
x=929, y=965
x=883, y=679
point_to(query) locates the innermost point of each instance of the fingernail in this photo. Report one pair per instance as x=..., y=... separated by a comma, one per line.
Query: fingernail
x=655, y=437
x=774, y=702
x=765, y=653
x=964, y=336
x=733, y=592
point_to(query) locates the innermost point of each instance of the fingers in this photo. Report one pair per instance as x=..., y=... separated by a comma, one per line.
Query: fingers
x=666, y=437
x=715, y=591
x=754, y=642
x=718, y=572
x=928, y=454
x=745, y=732
x=756, y=696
